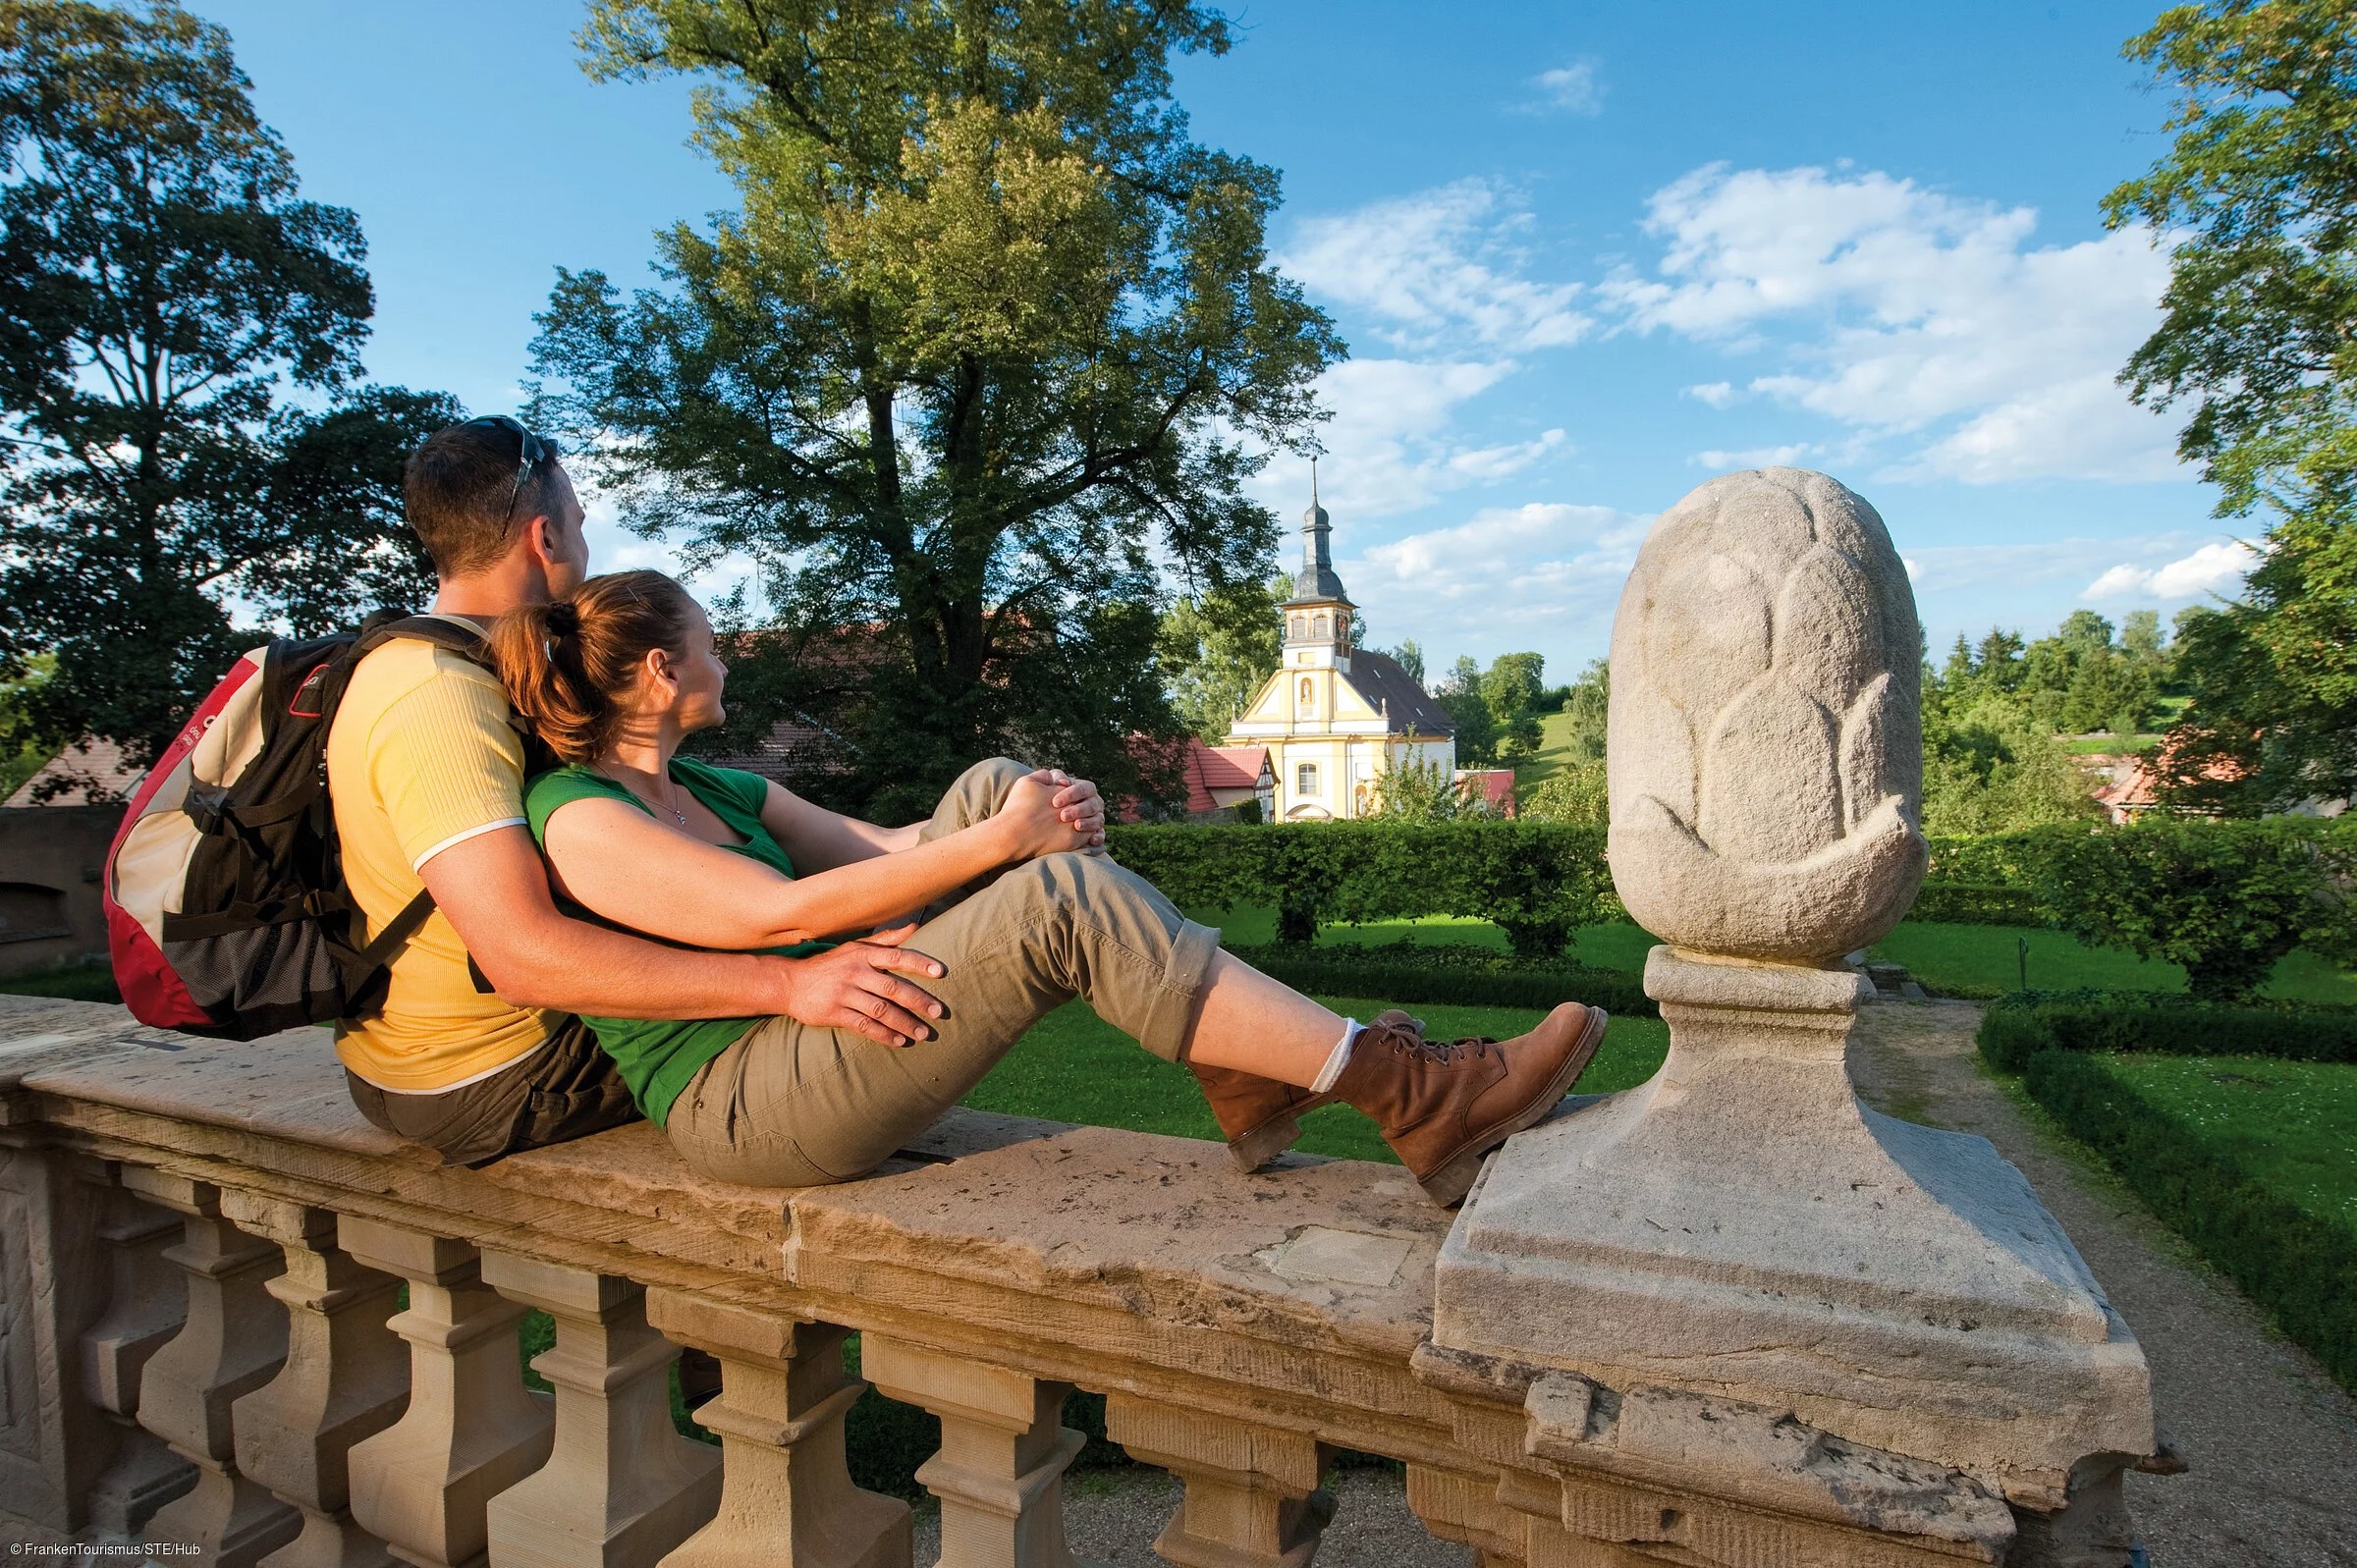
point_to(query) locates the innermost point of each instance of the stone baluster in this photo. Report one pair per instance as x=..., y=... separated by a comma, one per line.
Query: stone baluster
x=472, y=1430
x=622, y=1488
x=146, y=1308
x=786, y=1491
x=1000, y=1470
x=346, y=1379
x=1467, y=1509
x=232, y=1343
x=1252, y=1498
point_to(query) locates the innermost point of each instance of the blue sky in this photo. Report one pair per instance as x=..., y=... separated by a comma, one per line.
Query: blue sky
x=1586, y=257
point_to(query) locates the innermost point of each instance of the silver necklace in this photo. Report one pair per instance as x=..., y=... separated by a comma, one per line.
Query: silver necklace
x=665, y=804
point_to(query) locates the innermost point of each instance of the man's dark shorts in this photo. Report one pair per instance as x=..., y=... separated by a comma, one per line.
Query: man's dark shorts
x=564, y=1090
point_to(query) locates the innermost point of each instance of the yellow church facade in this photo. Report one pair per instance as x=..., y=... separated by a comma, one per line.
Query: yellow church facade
x=1334, y=718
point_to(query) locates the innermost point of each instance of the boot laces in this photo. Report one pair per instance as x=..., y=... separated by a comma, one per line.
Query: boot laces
x=1442, y=1052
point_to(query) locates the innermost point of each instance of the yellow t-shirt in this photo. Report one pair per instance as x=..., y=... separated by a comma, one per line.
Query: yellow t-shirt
x=423, y=757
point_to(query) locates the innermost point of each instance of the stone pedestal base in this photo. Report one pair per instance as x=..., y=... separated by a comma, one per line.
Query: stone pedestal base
x=1741, y=1226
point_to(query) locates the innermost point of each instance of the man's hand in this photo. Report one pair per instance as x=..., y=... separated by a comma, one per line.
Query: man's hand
x=1079, y=805
x=854, y=988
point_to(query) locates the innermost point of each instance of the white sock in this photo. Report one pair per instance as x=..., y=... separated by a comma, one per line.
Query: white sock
x=1338, y=1058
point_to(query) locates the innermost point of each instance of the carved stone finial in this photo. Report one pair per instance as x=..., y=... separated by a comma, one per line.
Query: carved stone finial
x=1740, y=1227
x=1765, y=752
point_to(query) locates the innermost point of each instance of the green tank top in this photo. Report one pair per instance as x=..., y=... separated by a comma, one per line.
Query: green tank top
x=658, y=1056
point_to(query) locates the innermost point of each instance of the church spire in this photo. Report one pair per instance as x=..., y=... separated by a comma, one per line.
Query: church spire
x=1316, y=580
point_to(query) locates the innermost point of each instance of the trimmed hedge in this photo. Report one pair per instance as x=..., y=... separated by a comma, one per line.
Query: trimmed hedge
x=1467, y=977
x=1964, y=903
x=2018, y=1027
x=2000, y=859
x=2302, y=1269
x=1537, y=881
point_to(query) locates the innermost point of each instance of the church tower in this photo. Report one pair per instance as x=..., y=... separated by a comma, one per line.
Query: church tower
x=1336, y=718
x=1317, y=618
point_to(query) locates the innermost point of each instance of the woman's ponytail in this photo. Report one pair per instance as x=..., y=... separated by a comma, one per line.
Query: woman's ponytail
x=569, y=665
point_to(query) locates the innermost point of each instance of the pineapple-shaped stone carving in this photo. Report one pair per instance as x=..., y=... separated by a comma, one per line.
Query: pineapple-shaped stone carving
x=1765, y=744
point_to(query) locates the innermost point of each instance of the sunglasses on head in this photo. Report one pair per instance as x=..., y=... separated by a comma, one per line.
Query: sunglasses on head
x=530, y=454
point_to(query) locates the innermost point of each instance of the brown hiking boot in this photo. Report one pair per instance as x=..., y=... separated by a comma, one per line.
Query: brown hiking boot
x=1262, y=1117
x=1443, y=1106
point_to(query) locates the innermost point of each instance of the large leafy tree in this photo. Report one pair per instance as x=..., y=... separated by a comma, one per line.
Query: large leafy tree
x=1219, y=649
x=179, y=333
x=2259, y=337
x=988, y=347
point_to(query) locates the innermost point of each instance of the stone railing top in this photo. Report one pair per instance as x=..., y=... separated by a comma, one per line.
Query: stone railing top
x=1322, y=1256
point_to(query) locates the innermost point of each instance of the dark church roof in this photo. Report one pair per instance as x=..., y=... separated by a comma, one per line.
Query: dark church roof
x=1390, y=690
x=1316, y=583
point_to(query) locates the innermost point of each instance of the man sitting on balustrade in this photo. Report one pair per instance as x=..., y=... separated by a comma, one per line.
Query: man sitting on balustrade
x=744, y=956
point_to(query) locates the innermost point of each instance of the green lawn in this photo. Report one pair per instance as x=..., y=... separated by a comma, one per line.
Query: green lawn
x=2108, y=746
x=1554, y=742
x=1984, y=960
x=1073, y=1066
x=2290, y=1126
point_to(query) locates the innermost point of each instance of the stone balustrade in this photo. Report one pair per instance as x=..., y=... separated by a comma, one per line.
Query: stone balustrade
x=206, y=1247
x=1731, y=1319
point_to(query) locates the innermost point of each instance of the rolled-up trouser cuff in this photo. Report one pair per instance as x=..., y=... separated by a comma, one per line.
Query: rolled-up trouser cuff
x=1164, y=1030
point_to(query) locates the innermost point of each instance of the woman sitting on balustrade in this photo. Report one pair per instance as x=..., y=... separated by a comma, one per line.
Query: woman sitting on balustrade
x=1006, y=893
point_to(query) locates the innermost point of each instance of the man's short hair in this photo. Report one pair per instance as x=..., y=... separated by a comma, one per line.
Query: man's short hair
x=455, y=489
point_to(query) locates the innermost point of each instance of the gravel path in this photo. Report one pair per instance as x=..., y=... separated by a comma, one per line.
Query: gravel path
x=1112, y=1517
x=2270, y=1439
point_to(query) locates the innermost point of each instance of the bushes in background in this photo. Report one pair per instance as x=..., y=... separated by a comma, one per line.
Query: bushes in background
x=1964, y=903
x=1539, y=882
x=2227, y=900
x=2300, y=1269
x=1471, y=977
x=2018, y=1027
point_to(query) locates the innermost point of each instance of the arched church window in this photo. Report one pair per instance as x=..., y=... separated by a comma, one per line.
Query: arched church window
x=1294, y=628
x=1305, y=778
x=1325, y=626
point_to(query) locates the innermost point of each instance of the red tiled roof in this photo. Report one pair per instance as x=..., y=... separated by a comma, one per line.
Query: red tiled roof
x=88, y=772
x=2132, y=788
x=1205, y=769
x=1210, y=768
x=1495, y=785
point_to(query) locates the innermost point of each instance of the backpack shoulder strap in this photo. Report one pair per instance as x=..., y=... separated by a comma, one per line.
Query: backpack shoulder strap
x=443, y=632
x=464, y=639
x=397, y=931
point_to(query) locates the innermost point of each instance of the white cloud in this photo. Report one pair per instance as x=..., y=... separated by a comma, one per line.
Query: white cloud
x=1394, y=445
x=2215, y=567
x=1442, y=267
x=1950, y=568
x=1569, y=89
x=1717, y=394
x=1546, y=575
x=1756, y=457
x=1930, y=321
x=614, y=548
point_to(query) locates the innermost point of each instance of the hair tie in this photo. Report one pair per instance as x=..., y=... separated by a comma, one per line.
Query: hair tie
x=564, y=619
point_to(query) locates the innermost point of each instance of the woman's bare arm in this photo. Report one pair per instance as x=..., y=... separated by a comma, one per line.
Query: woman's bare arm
x=817, y=839
x=613, y=858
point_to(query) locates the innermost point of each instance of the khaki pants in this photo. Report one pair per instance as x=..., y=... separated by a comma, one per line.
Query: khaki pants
x=794, y=1105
